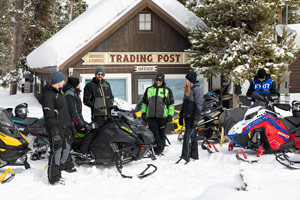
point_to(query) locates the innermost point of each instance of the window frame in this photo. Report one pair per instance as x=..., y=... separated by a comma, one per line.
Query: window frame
x=138, y=23
x=126, y=76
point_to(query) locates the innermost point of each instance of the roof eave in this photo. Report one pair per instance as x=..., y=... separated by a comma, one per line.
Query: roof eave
x=119, y=23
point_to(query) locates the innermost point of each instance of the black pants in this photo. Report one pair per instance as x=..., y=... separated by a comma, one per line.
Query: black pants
x=60, y=158
x=158, y=127
x=190, y=144
x=85, y=146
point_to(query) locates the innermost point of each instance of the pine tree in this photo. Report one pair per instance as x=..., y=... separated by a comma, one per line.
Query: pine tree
x=240, y=40
x=39, y=20
x=5, y=44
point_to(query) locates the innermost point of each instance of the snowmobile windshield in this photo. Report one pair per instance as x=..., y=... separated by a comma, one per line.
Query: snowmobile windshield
x=4, y=119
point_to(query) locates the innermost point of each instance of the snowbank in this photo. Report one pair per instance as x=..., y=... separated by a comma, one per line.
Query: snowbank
x=214, y=176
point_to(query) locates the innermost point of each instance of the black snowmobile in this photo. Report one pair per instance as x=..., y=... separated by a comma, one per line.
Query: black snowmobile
x=119, y=141
x=209, y=129
x=33, y=126
x=13, y=146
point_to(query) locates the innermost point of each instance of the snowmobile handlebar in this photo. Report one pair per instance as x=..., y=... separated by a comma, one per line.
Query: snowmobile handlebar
x=113, y=107
x=282, y=106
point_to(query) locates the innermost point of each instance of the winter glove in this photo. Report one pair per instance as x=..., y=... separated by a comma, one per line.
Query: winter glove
x=181, y=121
x=144, y=117
x=169, y=118
x=268, y=97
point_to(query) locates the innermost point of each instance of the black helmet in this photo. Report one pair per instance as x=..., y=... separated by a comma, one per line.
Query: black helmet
x=21, y=110
x=296, y=108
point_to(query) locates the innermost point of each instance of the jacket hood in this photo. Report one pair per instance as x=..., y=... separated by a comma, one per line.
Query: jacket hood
x=196, y=84
x=66, y=87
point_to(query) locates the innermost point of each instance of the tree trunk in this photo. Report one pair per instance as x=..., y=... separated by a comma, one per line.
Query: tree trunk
x=53, y=8
x=16, y=43
x=71, y=11
x=235, y=99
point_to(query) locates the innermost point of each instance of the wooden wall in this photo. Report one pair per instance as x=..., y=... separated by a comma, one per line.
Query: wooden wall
x=164, y=38
x=295, y=76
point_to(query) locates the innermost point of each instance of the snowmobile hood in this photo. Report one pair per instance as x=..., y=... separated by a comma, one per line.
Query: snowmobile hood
x=9, y=135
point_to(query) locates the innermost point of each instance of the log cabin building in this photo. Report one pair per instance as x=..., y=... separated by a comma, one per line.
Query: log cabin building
x=132, y=39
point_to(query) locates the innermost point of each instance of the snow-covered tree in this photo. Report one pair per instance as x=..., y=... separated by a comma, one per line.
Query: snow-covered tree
x=241, y=39
x=5, y=38
x=23, y=30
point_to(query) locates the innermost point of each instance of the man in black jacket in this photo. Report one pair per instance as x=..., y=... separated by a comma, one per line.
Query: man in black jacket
x=98, y=96
x=72, y=92
x=59, y=127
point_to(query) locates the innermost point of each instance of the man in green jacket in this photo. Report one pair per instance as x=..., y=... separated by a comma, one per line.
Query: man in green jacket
x=157, y=110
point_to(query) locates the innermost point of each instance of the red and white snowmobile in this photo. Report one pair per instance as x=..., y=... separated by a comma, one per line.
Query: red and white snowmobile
x=266, y=131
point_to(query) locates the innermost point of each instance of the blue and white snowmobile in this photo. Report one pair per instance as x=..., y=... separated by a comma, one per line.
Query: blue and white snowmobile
x=264, y=130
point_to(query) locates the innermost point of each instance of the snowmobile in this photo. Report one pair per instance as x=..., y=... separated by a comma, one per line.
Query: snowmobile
x=33, y=126
x=208, y=128
x=119, y=141
x=265, y=131
x=13, y=146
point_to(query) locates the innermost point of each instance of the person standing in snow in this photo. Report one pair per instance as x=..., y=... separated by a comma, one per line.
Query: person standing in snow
x=98, y=96
x=264, y=86
x=158, y=109
x=190, y=113
x=72, y=92
x=60, y=128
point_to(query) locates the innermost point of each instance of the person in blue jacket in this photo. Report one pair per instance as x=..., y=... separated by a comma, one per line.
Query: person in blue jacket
x=264, y=86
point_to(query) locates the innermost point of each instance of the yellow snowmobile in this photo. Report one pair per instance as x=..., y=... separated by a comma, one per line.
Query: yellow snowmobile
x=13, y=146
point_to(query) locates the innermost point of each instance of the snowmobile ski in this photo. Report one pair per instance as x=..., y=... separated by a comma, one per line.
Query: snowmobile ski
x=284, y=159
x=141, y=175
x=245, y=157
x=178, y=161
x=208, y=147
x=222, y=139
x=3, y=175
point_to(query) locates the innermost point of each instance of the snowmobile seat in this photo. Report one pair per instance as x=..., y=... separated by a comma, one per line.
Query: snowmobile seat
x=27, y=121
x=294, y=120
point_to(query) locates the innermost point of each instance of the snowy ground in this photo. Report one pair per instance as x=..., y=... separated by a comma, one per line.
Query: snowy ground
x=214, y=176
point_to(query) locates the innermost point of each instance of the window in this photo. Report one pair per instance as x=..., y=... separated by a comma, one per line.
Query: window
x=145, y=22
x=176, y=83
x=120, y=84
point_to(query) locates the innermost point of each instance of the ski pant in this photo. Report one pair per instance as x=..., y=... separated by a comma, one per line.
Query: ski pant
x=60, y=158
x=158, y=127
x=85, y=146
x=190, y=144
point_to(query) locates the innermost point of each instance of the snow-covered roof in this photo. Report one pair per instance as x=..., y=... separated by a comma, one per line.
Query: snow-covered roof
x=296, y=27
x=95, y=20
